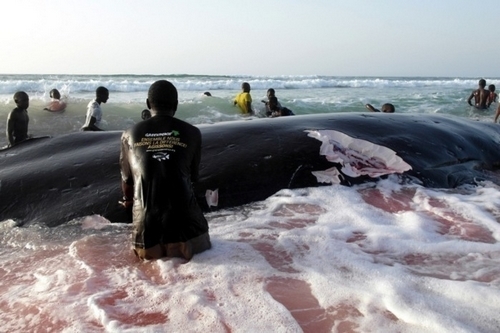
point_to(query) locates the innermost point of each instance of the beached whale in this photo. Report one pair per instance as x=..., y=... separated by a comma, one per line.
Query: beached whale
x=53, y=180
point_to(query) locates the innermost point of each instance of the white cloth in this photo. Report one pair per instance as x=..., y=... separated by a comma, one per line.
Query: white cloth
x=93, y=110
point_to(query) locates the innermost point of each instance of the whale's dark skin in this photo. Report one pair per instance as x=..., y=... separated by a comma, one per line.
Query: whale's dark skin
x=54, y=180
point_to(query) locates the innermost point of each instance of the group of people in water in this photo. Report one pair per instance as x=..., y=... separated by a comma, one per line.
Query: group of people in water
x=17, y=120
x=159, y=161
x=483, y=98
x=273, y=108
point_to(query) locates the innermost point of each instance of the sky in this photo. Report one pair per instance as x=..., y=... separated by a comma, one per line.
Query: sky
x=271, y=37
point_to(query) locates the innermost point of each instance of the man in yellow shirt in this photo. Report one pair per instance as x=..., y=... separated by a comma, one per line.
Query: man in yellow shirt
x=244, y=100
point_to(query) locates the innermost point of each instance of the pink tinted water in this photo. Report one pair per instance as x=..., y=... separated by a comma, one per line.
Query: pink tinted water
x=368, y=259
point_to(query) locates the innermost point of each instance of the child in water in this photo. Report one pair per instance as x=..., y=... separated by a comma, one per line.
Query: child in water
x=244, y=99
x=270, y=93
x=492, y=97
x=17, y=120
x=56, y=105
x=277, y=110
x=386, y=108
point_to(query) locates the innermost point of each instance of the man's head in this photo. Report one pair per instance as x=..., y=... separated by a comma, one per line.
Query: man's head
x=22, y=100
x=270, y=92
x=162, y=97
x=245, y=86
x=54, y=93
x=491, y=87
x=273, y=103
x=388, y=108
x=102, y=94
x=482, y=83
x=145, y=114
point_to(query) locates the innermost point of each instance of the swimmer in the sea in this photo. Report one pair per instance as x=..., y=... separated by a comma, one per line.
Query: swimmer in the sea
x=270, y=93
x=277, y=110
x=56, y=105
x=386, y=108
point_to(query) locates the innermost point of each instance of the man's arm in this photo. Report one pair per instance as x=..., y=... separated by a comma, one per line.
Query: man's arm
x=497, y=113
x=371, y=108
x=92, y=124
x=471, y=97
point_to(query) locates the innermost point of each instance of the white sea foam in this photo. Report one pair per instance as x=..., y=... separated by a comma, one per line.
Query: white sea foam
x=76, y=84
x=302, y=94
x=369, y=258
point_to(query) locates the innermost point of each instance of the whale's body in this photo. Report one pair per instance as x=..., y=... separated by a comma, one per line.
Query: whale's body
x=53, y=180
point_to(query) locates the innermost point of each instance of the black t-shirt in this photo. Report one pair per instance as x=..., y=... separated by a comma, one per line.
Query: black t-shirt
x=160, y=157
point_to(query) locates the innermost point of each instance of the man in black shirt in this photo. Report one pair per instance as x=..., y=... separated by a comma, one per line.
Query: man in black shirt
x=159, y=159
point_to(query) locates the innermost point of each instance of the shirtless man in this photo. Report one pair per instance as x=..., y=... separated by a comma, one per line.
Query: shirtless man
x=17, y=120
x=480, y=96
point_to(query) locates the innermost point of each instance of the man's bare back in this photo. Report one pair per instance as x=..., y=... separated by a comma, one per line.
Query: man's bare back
x=480, y=96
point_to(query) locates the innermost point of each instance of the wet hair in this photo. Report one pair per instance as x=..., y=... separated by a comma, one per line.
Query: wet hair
x=482, y=83
x=245, y=86
x=207, y=93
x=491, y=87
x=20, y=94
x=162, y=96
x=388, y=108
x=54, y=93
x=271, y=91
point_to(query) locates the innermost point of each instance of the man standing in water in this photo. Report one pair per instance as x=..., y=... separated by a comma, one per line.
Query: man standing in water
x=17, y=120
x=159, y=159
x=94, y=112
x=480, y=96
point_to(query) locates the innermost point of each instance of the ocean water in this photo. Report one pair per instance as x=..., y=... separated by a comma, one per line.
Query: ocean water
x=378, y=257
x=302, y=94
